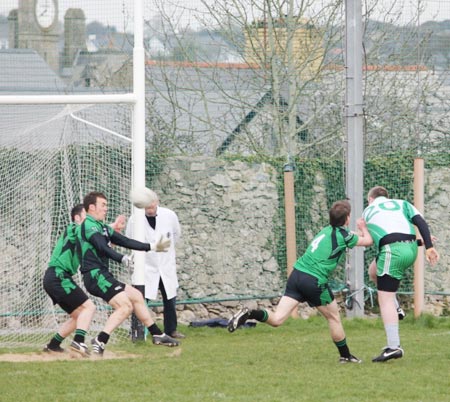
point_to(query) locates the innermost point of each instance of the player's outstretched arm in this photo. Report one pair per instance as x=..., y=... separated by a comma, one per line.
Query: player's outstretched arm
x=364, y=237
x=126, y=242
x=162, y=245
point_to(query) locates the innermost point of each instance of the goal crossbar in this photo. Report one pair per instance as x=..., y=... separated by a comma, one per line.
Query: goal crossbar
x=65, y=99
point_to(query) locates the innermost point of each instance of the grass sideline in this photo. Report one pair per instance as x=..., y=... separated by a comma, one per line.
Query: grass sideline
x=295, y=362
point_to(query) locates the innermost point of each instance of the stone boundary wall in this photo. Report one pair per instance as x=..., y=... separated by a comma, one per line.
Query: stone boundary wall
x=229, y=215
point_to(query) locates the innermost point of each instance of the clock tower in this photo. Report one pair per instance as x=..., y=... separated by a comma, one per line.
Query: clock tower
x=38, y=29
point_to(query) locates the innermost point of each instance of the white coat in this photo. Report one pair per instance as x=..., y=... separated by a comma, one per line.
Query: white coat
x=160, y=265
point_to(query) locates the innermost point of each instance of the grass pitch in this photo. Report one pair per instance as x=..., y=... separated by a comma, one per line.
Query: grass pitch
x=295, y=362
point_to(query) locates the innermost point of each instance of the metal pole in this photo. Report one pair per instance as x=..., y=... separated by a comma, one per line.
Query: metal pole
x=138, y=154
x=419, y=288
x=355, y=142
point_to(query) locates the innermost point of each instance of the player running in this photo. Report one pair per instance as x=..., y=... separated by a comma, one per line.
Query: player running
x=390, y=223
x=308, y=281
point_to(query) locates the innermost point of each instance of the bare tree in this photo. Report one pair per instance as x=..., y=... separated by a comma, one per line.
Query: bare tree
x=267, y=78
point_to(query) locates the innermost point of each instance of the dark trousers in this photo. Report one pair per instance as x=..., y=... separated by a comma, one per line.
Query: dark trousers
x=170, y=311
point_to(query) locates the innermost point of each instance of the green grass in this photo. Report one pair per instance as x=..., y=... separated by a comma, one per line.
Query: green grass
x=296, y=362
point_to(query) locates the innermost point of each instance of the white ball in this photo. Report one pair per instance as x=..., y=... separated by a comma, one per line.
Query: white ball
x=141, y=197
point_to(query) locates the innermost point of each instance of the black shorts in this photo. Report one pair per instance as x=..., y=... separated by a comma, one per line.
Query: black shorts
x=305, y=288
x=63, y=290
x=101, y=283
x=387, y=283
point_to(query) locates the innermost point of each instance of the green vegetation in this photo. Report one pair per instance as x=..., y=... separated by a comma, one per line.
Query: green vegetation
x=296, y=362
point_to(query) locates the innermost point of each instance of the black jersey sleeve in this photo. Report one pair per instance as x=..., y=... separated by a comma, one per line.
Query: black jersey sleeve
x=423, y=229
x=126, y=242
x=101, y=244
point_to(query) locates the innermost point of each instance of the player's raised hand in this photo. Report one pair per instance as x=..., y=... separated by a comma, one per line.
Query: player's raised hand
x=128, y=261
x=162, y=245
x=432, y=255
x=119, y=224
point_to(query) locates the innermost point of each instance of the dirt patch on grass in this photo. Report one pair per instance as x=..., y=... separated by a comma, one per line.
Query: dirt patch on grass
x=53, y=356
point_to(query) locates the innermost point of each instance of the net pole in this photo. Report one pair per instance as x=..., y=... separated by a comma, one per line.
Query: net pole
x=419, y=288
x=138, y=155
x=354, y=124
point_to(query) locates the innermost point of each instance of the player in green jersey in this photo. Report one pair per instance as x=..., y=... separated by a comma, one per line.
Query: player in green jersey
x=96, y=239
x=391, y=225
x=308, y=281
x=63, y=290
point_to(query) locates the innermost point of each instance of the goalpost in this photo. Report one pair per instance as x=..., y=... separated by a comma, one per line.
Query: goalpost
x=44, y=175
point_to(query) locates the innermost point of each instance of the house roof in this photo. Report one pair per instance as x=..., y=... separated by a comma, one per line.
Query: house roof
x=25, y=71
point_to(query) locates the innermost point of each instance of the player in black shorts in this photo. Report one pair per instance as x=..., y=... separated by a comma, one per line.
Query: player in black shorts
x=96, y=239
x=63, y=290
x=308, y=281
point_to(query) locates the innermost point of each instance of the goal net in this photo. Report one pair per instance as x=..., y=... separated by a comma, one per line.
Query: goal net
x=51, y=156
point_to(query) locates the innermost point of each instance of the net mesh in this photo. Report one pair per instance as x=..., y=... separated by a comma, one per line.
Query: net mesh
x=50, y=160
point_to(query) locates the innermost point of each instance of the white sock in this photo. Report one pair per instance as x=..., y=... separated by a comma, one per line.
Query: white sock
x=392, y=335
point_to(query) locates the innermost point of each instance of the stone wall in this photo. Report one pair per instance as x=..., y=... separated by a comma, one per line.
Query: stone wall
x=230, y=219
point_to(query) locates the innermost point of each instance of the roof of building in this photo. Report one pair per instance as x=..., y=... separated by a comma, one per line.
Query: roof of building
x=17, y=65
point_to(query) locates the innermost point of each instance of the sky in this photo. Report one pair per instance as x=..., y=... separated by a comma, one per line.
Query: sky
x=186, y=12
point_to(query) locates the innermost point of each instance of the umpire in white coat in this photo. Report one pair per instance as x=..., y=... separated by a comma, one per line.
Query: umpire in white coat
x=160, y=268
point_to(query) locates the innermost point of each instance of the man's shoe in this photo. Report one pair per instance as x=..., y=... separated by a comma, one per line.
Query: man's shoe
x=164, y=340
x=401, y=313
x=80, y=348
x=97, y=347
x=350, y=359
x=238, y=319
x=389, y=354
x=57, y=349
x=177, y=335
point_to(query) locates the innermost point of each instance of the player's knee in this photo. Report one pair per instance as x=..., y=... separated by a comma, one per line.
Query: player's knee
x=276, y=321
x=124, y=308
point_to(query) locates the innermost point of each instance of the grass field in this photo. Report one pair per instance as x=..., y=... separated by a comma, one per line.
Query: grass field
x=296, y=362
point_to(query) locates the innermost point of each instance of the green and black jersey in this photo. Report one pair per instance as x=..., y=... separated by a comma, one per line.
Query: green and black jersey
x=96, y=239
x=325, y=252
x=64, y=255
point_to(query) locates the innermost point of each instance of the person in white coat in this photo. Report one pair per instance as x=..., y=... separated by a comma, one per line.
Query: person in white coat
x=160, y=268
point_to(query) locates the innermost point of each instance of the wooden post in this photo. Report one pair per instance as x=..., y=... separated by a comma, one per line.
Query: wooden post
x=419, y=288
x=289, y=211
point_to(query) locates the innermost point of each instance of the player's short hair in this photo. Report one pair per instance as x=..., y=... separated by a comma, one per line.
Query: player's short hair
x=377, y=191
x=76, y=210
x=339, y=212
x=91, y=199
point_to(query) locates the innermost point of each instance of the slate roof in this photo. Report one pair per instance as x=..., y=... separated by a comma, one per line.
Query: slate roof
x=25, y=71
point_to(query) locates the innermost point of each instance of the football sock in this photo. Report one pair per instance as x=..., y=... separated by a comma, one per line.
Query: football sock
x=154, y=330
x=80, y=334
x=343, y=348
x=392, y=335
x=103, y=337
x=258, y=315
x=55, y=341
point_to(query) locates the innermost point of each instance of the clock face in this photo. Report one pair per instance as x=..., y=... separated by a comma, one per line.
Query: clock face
x=45, y=12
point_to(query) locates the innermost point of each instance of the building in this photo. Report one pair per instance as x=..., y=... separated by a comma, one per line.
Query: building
x=265, y=39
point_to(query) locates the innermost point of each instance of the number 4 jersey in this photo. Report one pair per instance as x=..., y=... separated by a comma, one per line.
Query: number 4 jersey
x=325, y=252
